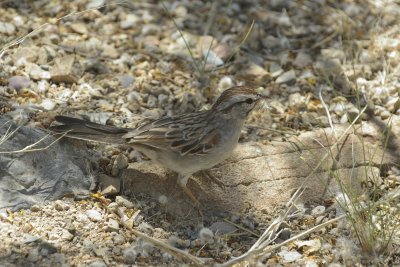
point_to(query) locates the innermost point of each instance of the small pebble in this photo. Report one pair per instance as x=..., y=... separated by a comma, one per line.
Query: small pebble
x=98, y=263
x=94, y=4
x=126, y=80
x=35, y=208
x=66, y=235
x=27, y=228
x=58, y=205
x=287, y=77
x=94, y=215
x=48, y=104
x=112, y=226
x=289, y=256
x=318, y=210
x=285, y=234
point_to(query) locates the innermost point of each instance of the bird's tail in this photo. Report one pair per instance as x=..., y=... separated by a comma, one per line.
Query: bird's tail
x=86, y=130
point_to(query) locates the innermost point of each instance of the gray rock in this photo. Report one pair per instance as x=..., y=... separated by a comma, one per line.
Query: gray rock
x=126, y=80
x=287, y=77
x=285, y=234
x=30, y=178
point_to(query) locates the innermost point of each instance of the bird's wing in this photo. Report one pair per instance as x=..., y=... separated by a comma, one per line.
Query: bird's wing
x=186, y=134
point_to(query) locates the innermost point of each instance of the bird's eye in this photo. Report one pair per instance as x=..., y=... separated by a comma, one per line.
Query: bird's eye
x=249, y=101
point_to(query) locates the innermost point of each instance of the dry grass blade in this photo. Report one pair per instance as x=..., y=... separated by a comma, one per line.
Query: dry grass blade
x=392, y=196
x=182, y=36
x=7, y=135
x=242, y=42
x=272, y=231
x=31, y=148
x=211, y=18
x=327, y=112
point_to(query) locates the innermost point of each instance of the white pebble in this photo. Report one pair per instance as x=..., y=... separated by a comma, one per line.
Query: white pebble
x=289, y=256
x=48, y=104
x=94, y=215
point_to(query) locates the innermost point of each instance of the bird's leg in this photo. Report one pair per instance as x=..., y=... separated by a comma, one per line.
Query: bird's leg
x=182, y=181
x=207, y=174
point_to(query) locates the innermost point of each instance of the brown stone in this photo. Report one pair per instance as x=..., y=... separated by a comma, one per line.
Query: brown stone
x=66, y=70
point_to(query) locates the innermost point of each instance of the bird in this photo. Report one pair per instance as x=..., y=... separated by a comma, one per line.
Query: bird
x=184, y=143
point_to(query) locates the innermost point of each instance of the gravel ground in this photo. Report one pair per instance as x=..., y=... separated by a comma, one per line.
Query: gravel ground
x=124, y=63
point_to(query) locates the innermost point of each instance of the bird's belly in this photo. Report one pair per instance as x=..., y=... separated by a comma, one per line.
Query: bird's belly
x=190, y=164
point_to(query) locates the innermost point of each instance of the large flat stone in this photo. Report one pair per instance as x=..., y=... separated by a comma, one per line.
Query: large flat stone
x=263, y=176
x=33, y=177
